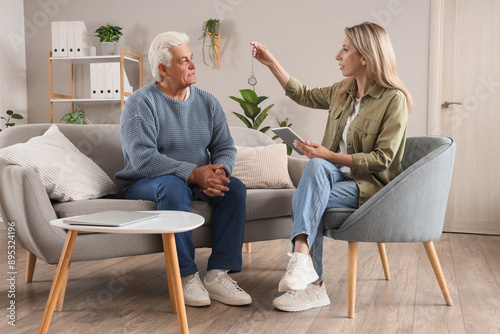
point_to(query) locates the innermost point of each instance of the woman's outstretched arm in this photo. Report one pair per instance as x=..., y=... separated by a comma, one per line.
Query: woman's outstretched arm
x=262, y=54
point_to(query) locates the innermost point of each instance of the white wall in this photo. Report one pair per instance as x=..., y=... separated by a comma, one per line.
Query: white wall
x=303, y=35
x=13, y=94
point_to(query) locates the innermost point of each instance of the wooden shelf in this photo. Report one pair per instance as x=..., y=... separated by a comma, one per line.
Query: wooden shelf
x=100, y=59
x=125, y=56
x=85, y=100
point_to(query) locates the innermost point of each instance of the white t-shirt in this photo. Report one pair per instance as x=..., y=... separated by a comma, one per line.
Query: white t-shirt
x=342, y=144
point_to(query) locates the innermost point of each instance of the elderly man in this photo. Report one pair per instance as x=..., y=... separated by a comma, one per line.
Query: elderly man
x=177, y=150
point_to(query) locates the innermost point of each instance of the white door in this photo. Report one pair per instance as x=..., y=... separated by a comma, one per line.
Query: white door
x=466, y=46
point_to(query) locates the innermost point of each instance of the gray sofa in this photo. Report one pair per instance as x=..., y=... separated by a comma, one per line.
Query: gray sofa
x=23, y=199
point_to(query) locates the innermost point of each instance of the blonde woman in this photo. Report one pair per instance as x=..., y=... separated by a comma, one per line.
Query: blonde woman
x=361, y=150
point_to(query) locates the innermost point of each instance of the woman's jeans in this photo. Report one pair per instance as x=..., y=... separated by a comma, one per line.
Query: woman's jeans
x=228, y=218
x=322, y=186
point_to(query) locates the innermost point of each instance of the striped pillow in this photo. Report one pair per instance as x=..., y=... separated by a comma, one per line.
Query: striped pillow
x=66, y=173
x=263, y=167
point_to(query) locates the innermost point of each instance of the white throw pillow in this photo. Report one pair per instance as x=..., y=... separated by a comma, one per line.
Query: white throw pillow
x=263, y=167
x=66, y=173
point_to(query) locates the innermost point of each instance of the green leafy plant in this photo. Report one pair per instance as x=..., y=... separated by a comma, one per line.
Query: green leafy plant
x=282, y=124
x=209, y=28
x=254, y=115
x=74, y=117
x=10, y=115
x=109, y=33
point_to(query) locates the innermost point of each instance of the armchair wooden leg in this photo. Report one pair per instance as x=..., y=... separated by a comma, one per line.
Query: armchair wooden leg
x=352, y=258
x=385, y=263
x=436, y=266
x=30, y=267
x=248, y=247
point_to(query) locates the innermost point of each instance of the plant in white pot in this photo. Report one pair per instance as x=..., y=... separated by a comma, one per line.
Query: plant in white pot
x=108, y=37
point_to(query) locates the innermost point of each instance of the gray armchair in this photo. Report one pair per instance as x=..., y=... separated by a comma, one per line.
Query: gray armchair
x=409, y=209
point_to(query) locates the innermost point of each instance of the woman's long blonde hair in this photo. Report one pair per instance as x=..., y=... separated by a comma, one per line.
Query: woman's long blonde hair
x=373, y=43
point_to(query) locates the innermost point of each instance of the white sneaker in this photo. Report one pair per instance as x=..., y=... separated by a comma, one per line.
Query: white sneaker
x=225, y=290
x=299, y=273
x=301, y=300
x=194, y=292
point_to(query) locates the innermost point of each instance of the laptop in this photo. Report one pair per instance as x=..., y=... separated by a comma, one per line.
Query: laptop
x=113, y=218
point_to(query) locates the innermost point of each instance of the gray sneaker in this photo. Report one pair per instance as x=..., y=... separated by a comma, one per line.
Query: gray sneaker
x=194, y=292
x=225, y=290
x=301, y=300
x=299, y=273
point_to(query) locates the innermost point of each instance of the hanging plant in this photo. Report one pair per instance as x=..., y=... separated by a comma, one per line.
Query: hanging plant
x=209, y=28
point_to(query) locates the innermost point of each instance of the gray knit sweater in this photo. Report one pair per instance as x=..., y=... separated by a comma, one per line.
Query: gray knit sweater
x=162, y=136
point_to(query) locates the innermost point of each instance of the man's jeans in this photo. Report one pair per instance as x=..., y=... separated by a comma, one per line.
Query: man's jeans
x=322, y=186
x=228, y=218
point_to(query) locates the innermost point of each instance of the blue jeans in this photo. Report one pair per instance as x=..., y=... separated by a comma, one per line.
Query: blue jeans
x=228, y=218
x=322, y=186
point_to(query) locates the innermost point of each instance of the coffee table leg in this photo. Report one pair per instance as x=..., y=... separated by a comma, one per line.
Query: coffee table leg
x=174, y=280
x=170, y=279
x=61, y=273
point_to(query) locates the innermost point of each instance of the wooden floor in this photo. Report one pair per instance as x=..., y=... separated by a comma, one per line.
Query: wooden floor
x=130, y=295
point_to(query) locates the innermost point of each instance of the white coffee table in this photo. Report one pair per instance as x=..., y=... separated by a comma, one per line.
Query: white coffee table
x=166, y=224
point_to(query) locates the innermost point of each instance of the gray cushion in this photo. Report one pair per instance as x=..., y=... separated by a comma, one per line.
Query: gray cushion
x=268, y=203
x=261, y=203
x=334, y=218
x=69, y=209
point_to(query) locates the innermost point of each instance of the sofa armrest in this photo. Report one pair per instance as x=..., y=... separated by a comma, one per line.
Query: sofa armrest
x=295, y=168
x=24, y=201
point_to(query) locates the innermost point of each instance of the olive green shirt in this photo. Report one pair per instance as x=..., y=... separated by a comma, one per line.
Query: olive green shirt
x=375, y=138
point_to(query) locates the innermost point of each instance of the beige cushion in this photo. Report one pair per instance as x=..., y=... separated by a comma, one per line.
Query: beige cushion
x=263, y=166
x=66, y=173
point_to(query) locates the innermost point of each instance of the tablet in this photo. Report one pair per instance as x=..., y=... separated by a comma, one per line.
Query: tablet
x=288, y=136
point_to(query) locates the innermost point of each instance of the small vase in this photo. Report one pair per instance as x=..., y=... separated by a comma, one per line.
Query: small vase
x=108, y=48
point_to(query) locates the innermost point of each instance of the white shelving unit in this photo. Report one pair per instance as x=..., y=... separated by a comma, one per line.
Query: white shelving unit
x=125, y=56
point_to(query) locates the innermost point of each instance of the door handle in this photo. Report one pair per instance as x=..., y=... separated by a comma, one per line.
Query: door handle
x=446, y=104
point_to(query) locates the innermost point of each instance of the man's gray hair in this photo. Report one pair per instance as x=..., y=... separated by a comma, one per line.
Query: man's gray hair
x=159, y=50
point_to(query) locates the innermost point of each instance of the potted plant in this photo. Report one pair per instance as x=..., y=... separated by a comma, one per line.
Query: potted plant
x=10, y=115
x=108, y=37
x=254, y=115
x=74, y=117
x=210, y=28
